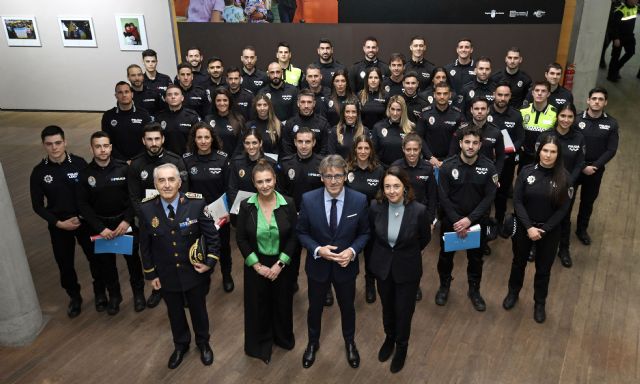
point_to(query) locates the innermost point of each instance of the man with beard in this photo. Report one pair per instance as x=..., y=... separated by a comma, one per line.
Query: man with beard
x=462, y=71
x=253, y=79
x=306, y=118
x=143, y=97
x=313, y=79
x=195, y=97
x=481, y=87
x=194, y=58
x=357, y=71
x=418, y=63
x=326, y=62
x=518, y=80
x=215, y=69
x=283, y=96
x=241, y=99
x=416, y=104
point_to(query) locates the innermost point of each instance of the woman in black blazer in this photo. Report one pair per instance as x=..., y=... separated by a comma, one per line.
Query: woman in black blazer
x=400, y=227
x=266, y=238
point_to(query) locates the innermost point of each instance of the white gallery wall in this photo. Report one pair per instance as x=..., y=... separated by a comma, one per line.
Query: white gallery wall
x=53, y=77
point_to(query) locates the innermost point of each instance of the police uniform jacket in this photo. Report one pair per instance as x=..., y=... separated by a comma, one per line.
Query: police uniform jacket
x=387, y=140
x=159, y=84
x=208, y=174
x=427, y=94
x=519, y=82
x=210, y=86
x=423, y=68
x=467, y=190
x=365, y=181
x=511, y=120
x=57, y=184
x=225, y=132
x=391, y=87
x=461, y=74
x=416, y=105
x=242, y=101
x=374, y=108
x=268, y=144
x=437, y=128
x=165, y=243
x=348, y=134
x=558, y=97
x=475, y=89
x=322, y=101
x=255, y=81
x=125, y=128
x=240, y=171
x=284, y=99
x=297, y=176
x=103, y=195
x=573, y=150
x=176, y=126
x=149, y=100
x=601, y=138
x=316, y=123
x=492, y=143
x=535, y=122
x=328, y=70
x=358, y=72
x=196, y=98
x=423, y=182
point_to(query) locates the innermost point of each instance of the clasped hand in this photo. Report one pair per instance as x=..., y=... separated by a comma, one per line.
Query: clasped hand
x=343, y=258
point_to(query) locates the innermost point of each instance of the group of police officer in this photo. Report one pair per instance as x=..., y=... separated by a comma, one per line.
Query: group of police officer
x=150, y=125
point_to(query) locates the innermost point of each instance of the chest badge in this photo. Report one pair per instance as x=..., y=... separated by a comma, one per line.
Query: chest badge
x=241, y=173
x=114, y=123
x=144, y=174
x=432, y=120
x=384, y=132
x=194, y=170
x=92, y=181
x=582, y=125
x=455, y=174
x=155, y=222
x=351, y=177
x=48, y=179
x=531, y=179
x=291, y=173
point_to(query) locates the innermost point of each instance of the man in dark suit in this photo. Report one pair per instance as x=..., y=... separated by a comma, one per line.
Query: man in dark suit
x=169, y=225
x=333, y=241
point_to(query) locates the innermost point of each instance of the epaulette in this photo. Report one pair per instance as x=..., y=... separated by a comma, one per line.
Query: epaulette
x=222, y=153
x=427, y=108
x=192, y=195
x=456, y=108
x=188, y=154
x=149, y=198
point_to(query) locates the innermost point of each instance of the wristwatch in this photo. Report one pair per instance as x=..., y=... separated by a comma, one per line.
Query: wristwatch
x=281, y=264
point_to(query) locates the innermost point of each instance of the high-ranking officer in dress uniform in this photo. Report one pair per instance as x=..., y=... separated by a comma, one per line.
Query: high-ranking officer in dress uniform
x=55, y=179
x=177, y=266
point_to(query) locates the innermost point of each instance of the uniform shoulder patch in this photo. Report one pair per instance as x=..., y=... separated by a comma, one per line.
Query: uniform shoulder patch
x=427, y=108
x=150, y=198
x=222, y=153
x=456, y=109
x=192, y=195
x=188, y=154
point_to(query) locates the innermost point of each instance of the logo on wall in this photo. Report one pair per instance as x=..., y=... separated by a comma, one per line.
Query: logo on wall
x=493, y=13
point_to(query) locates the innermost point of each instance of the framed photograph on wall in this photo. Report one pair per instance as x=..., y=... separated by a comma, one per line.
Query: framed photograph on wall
x=21, y=31
x=77, y=31
x=132, y=34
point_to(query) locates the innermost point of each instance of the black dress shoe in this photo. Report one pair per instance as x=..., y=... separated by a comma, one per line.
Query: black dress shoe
x=584, y=237
x=227, y=283
x=442, y=295
x=565, y=257
x=328, y=301
x=539, y=314
x=353, y=357
x=397, y=363
x=476, y=300
x=154, y=299
x=206, y=354
x=114, y=305
x=370, y=291
x=386, y=349
x=176, y=358
x=75, y=306
x=309, y=356
x=419, y=294
x=139, y=302
x=101, y=303
x=510, y=300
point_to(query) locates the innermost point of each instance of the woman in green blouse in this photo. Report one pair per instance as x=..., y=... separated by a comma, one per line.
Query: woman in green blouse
x=265, y=234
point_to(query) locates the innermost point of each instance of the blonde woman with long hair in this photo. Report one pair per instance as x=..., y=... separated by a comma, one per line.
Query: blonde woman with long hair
x=387, y=134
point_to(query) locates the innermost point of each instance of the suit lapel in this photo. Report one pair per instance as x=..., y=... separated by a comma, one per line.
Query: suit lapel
x=382, y=222
x=403, y=224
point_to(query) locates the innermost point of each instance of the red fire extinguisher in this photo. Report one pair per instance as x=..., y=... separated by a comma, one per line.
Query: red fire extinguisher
x=568, y=76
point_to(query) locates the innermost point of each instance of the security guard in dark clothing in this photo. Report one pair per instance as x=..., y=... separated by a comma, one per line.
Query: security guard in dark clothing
x=253, y=79
x=195, y=97
x=438, y=124
x=462, y=70
x=418, y=63
x=140, y=176
x=176, y=121
x=124, y=123
x=518, y=80
x=283, y=96
x=179, y=268
x=506, y=118
x=144, y=97
x=306, y=117
x=153, y=79
x=357, y=71
x=416, y=104
x=103, y=200
x=241, y=99
x=55, y=179
x=466, y=188
x=481, y=87
x=208, y=169
x=600, y=131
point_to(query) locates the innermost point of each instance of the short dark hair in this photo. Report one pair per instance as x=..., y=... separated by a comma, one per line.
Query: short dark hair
x=303, y=130
x=214, y=59
x=51, y=130
x=486, y=59
x=99, y=135
x=306, y=92
x=464, y=39
x=514, y=49
x=232, y=69
x=599, y=90
x=119, y=83
x=311, y=66
x=369, y=38
x=503, y=83
x=193, y=48
x=544, y=83
x=397, y=56
x=401, y=174
x=470, y=129
x=133, y=66
x=152, y=127
x=554, y=66
x=171, y=86
x=417, y=37
x=284, y=44
x=250, y=48
x=149, y=52
x=324, y=40
x=411, y=74
x=184, y=65
x=477, y=99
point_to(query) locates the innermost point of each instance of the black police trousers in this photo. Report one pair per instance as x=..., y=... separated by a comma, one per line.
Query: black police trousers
x=506, y=183
x=589, y=190
x=474, y=256
x=196, y=300
x=617, y=62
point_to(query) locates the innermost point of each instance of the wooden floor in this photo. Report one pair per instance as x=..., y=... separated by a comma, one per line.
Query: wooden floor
x=592, y=333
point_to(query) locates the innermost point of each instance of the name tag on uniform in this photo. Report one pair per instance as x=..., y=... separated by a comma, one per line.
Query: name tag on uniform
x=187, y=223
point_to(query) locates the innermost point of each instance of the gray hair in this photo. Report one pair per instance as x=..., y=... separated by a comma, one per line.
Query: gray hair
x=165, y=166
x=332, y=161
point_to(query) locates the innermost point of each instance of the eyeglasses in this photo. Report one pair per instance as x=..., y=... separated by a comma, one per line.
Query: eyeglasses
x=336, y=177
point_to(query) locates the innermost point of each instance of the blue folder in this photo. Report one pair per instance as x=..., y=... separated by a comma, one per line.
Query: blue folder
x=121, y=244
x=452, y=242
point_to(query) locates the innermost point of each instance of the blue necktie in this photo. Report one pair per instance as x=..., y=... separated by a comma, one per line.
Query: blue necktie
x=333, y=216
x=172, y=213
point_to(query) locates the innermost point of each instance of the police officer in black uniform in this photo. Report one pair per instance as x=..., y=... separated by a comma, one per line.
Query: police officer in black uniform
x=240, y=97
x=176, y=120
x=299, y=173
x=144, y=97
x=600, y=131
x=313, y=79
x=169, y=226
x=481, y=87
x=193, y=59
x=416, y=104
x=357, y=71
x=103, y=200
x=326, y=62
x=418, y=63
x=559, y=95
x=55, y=179
x=253, y=79
x=195, y=97
x=505, y=117
x=462, y=70
x=518, y=80
x=140, y=175
x=466, y=188
x=153, y=79
x=387, y=134
x=267, y=124
x=215, y=69
x=124, y=123
x=225, y=121
x=208, y=169
x=393, y=84
x=282, y=95
x=306, y=117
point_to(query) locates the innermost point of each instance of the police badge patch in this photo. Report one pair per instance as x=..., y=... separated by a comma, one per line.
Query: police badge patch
x=582, y=125
x=92, y=181
x=351, y=177
x=362, y=74
x=48, y=179
x=531, y=179
x=163, y=124
x=194, y=170
x=432, y=120
x=455, y=174
x=495, y=179
x=144, y=174
x=241, y=173
x=384, y=132
x=155, y=222
x=212, y=123
x=114, y=122
x=291, y=173
x=452, y=72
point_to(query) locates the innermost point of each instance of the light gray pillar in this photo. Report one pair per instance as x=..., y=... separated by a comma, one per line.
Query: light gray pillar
x=20, y=315
x=590, y=24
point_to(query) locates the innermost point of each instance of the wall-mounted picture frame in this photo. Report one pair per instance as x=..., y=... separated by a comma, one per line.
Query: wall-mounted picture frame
x=21, y=31
x=77, y=31
x=132, y=34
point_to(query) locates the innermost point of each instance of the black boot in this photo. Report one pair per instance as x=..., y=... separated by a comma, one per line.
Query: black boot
x=370, y=289
x=75, y=305
x=397, y=363
x=227, y=282
x=99, y=292
x=115, y=298
x=565, y=257
x=443, y=292
x=139, y=302
x=476, y=299
x=539, y=314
